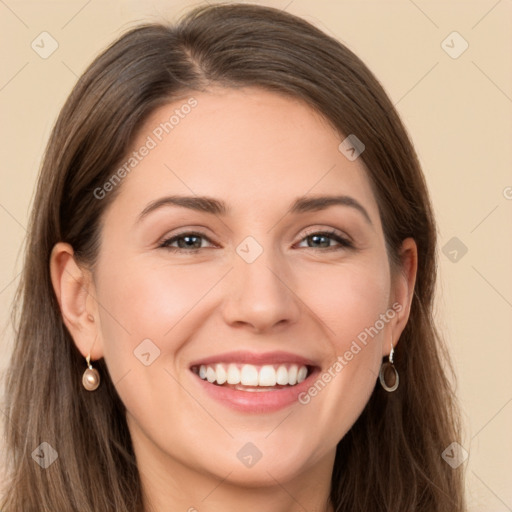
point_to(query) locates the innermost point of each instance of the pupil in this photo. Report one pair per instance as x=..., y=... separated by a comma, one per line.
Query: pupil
x=315, y=238
x=187, y=238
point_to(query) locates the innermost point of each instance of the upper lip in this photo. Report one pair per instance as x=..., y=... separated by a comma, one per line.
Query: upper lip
x=242, y=356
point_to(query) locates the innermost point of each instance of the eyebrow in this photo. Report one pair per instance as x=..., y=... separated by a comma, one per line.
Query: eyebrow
x=218, y=207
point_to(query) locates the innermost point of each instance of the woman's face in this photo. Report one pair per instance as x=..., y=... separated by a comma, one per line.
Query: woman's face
x=261, y=280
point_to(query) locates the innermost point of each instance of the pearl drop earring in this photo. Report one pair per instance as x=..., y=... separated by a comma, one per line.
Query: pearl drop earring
x=91, y=377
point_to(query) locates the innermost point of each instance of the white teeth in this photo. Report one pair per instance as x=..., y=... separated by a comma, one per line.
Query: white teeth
x=221, y=374
x=282, y=375
x=250, y=375
x=210, y=374
x=267, y=376
x=233, y=374
x=292, y=375
x=301, y=375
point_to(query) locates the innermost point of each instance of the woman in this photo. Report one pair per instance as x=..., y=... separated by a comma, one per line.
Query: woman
x=183, y=343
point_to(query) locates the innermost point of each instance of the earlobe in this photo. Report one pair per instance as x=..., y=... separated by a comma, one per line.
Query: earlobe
x=74, y=289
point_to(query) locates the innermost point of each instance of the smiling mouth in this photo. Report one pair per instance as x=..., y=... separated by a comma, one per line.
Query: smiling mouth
x=255, y=378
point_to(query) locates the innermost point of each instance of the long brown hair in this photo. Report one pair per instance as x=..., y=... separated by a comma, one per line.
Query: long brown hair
x=390, y=460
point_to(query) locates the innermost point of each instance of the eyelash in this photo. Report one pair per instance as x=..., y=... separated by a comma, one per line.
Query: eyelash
x=344, y=243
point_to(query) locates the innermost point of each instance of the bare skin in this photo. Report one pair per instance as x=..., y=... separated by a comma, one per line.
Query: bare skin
x=257, y=151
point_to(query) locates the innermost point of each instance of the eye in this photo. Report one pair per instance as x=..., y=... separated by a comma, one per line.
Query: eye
x=187, y=241
x=191, y=241
x=320, y=236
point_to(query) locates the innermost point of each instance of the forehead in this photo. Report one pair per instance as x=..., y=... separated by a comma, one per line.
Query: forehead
x=250, y=147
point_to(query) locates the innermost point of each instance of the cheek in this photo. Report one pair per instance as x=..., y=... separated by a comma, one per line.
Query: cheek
x=143, y=301
x=148, y=299
x=149, y=311
x=348, y=299
x=350, y=302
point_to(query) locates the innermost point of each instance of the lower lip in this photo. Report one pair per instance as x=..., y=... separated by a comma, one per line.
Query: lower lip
x=256, y=401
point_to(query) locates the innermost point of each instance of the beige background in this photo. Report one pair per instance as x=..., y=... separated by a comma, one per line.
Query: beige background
x=457, y=110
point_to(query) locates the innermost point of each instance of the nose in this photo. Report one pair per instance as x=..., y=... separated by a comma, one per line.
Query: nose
x=260, y=295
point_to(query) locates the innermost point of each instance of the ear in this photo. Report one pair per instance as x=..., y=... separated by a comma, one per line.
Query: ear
x=75, y=293
x=402, y=292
